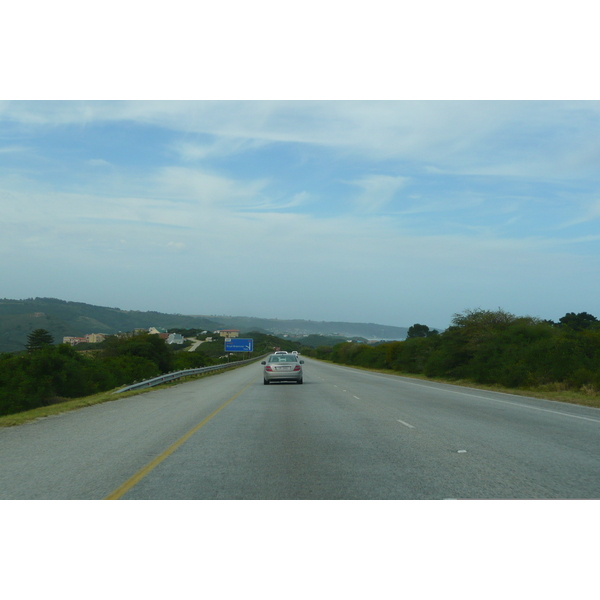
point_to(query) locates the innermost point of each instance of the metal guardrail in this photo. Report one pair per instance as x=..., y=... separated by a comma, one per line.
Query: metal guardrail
x=185, y=373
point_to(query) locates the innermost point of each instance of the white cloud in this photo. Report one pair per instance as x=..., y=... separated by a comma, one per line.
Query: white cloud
x=12, y=149
x=439, y=203
x=590, y=211
x=456, y=137
x=207, y=189
x=378, y=191
x=332, y=267
x=272, y=205
x=218, y=147
x=216, y=230
x=299, y=199
x=175, y=246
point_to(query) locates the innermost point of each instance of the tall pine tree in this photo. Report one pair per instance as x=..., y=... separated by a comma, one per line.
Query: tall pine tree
x=38, y=339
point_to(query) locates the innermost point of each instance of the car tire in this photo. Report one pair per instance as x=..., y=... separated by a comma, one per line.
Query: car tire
x=300, y=381
x=266, y=382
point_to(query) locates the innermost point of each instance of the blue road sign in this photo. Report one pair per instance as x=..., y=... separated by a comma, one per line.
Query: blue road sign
x=239, y=345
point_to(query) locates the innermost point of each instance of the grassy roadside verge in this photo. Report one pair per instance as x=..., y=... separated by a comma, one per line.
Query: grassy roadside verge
x=77, y=403
x=550, y=392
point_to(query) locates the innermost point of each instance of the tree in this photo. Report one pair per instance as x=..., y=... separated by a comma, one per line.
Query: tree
x=483, y=320
x=142, y=345
x=468, y=334
x=38, y=339
x=578, y=322
x=418, y=331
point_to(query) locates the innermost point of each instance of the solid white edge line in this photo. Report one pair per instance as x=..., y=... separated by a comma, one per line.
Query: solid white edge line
x=437, y=385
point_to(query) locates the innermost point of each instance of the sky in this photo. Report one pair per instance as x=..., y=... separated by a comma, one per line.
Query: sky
x=394, y=206
x=393, y=212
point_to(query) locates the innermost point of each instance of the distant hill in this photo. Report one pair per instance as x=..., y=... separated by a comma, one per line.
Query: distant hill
x=18, y=318
x=297, y=327
x=315, y=340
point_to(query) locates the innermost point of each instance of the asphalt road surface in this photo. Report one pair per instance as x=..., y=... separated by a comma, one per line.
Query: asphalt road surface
x=343, y=434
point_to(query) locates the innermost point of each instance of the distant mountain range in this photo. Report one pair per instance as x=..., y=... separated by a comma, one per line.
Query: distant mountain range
x=61, y=318
x=299, y=327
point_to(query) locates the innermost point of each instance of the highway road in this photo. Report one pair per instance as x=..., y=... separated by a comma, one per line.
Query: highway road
x=344, y=434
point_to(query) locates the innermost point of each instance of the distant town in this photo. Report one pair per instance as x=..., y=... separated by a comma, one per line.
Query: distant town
x=170, y=338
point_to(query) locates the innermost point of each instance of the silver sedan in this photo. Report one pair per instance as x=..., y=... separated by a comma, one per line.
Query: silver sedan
x=282, y=367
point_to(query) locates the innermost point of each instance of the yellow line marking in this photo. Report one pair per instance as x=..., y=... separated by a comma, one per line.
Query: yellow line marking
x=123, y=489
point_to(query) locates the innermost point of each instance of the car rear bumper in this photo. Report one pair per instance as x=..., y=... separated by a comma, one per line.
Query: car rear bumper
x=283, y=375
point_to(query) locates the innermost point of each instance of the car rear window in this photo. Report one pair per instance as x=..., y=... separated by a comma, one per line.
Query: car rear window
x=283, y=358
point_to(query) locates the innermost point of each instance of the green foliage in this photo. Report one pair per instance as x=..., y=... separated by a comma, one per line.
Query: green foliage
x=580, y=321
x=49, y=373
x=38, y=339
x=417, y=330
x=214, y=349
x=322, y=352
x=411, y=355
x=191, y=360
x=472, y=334
x=35, y=379
x=121, y=370
x=490, y=347
x=142, y=345
x=350, y=353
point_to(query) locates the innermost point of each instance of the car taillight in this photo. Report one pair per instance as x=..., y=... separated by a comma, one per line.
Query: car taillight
x=297, y=368
x=268, y=368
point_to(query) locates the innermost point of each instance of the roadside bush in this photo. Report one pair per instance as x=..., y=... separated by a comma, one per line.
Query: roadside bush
x=411, y=355
x=190, y=360
x=142, y=345
x=120, y=370
x=323, y=352
x=490, y=347
x=38, y=378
